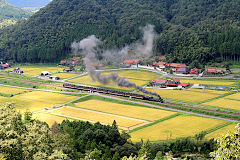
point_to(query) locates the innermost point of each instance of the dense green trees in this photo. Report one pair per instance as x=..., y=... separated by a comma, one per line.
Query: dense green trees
x=187, y=30
x=228, y=146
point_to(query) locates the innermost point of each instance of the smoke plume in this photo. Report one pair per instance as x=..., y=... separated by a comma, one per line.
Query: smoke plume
x=88, y=48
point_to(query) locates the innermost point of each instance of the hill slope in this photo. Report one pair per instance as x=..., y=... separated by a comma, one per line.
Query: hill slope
x=29, y=3
x=188, y=31
x=9, y=14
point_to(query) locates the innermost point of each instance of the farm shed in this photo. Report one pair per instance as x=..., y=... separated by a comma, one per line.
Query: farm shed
x=182, y=70
x=44, y=73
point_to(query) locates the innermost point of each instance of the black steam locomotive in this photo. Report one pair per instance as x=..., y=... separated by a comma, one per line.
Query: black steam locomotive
x=113, y=92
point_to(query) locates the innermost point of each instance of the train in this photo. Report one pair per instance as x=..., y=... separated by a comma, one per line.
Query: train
x=113, y=92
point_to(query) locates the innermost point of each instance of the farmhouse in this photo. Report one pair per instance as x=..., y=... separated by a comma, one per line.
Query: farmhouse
x=131, y=61
x=17, y=70
x=169, y=83
x=175, y=65
x=161, y=65
x=213, y=71
x=68, y=69
x=62, y=62
x=182, y=70
x=194, y=71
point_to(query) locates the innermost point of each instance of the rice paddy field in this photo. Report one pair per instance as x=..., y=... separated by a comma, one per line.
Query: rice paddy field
x=139, y=77
x=180, y=126
x=225, y=103
x=210, y=82
x=144, y=113
x=192, y=96
x=49, y=118
x=11, y=90
x=93, y=116
x=65, y=75
x=37, y=70
x=235, y=96
x=24, y=105
x=222, y=131
x=47, y=97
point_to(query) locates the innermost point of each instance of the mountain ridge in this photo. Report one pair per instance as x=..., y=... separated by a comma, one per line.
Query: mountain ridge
x=187, y=31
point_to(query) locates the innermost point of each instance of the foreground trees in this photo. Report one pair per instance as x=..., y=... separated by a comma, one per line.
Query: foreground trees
x=228, y=146
x=25, y=138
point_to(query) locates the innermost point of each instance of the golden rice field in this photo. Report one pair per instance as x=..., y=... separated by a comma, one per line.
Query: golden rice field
x=139, y=77
x=93, y=116
x=37, y=70
x=125, y=110
x=208, y=82
x=48, y=118
x=137, y=74
x=234, y=96
x=11, y=90
x=65, y=75
x=24, y=105
x=208, y=91
x=49, y=97
x=222, y=131
x=180, y=126
x=224, y=103
x=184, y=95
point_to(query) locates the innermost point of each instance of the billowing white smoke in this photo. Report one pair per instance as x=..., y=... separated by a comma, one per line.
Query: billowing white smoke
x=146, y=47
x=88, y=48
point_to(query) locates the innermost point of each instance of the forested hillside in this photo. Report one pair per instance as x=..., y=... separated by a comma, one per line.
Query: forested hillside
x=10, y=14
x=187, y=31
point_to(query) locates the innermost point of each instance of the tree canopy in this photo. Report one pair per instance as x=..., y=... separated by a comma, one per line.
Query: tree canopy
x=202, y=30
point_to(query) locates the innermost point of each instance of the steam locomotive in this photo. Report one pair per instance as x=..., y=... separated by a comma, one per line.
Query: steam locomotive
x=113, y=92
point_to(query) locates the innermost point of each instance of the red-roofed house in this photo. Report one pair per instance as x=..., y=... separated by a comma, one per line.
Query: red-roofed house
x=62, y=62
x=175, y=65
x=184, y=85
x=164, y=82
x=194, y=71
x=131, y=61
x=211, y=70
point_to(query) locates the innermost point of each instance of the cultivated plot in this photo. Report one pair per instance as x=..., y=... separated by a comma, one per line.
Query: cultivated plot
x=209, y=82
x=225, y=103
x=24, y=105
x=209, y=91
x=37, y=70
x=48, y=97
x=180, y=126
x=139, y=77
x=125, y=110
x=222, y=131
x=11, y=90
x=235, y=96
x=49, y=118
x=94, y=116
x=65, y=75
x=185, y=95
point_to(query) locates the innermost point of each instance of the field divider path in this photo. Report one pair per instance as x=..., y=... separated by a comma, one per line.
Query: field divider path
x=107, y=114
x=83, y=74
x=62, y=105
x=142, y=122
